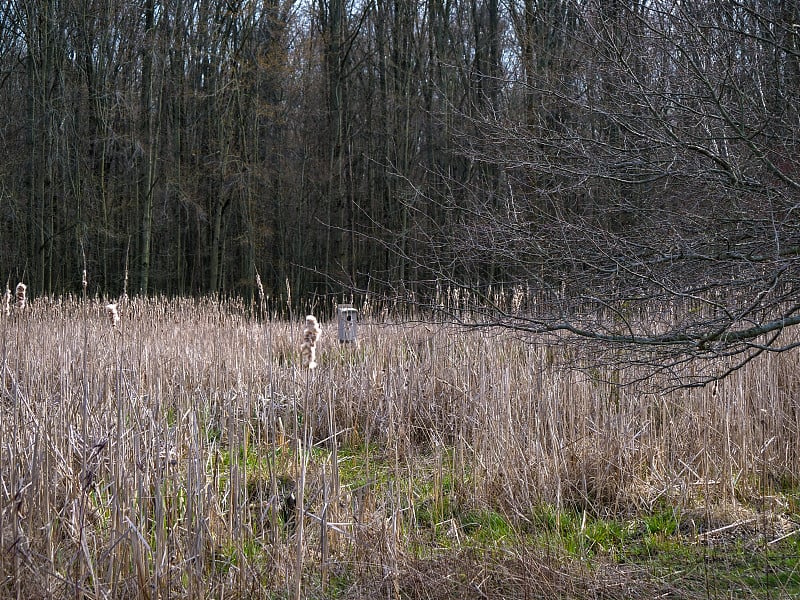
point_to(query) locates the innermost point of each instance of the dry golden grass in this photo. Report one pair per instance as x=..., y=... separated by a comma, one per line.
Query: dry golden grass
x=157, y=457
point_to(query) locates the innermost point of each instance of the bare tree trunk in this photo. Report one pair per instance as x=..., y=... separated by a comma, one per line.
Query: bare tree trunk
x=44, y=64
x=151, y=109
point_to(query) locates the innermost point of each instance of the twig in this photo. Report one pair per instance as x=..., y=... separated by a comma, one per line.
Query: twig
x=783, y=537
x=707, y=534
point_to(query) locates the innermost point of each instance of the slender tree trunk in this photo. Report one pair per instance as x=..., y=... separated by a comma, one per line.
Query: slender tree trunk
x=150, y=143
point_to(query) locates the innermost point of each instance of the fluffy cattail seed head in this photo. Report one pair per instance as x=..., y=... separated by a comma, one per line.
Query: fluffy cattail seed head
x=261, y=296
x=260, y=286
x=7, y=301
x=124, y=298
x=113, y=314
x=21, y=296
x=308, y=349
x=308, y=354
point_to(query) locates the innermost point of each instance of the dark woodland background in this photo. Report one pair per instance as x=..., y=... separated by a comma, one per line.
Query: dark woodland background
x=636, y=147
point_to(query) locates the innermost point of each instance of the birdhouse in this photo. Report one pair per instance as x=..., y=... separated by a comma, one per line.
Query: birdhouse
x=348, y=323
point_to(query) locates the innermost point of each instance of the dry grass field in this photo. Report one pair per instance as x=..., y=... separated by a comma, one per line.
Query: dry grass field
x=171, y=456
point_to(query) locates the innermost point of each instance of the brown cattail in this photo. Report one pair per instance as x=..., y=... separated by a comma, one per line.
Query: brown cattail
x=22, y=299
x=308, y=349
x=7, y=301
x=260, y=287
x=113, y=315
x=124, y=298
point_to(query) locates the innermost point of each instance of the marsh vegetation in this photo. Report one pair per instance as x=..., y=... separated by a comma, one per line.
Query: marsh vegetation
x=161, y=457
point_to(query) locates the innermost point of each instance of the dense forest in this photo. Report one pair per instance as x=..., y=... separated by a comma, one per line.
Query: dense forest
x=626, y=147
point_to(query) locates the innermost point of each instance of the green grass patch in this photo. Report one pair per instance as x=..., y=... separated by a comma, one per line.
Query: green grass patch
x=736, y=570
x=487, y=527
x=437, y=520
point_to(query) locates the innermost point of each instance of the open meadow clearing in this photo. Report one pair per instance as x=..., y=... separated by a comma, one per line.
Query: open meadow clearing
x=171, y=456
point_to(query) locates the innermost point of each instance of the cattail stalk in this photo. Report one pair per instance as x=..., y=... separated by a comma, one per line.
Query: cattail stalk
x=124, y=297
x=308, y=349
x=21, y=295
x=261, y=297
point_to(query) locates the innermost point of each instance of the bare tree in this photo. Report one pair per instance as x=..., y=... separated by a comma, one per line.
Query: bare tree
x=650, y=195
